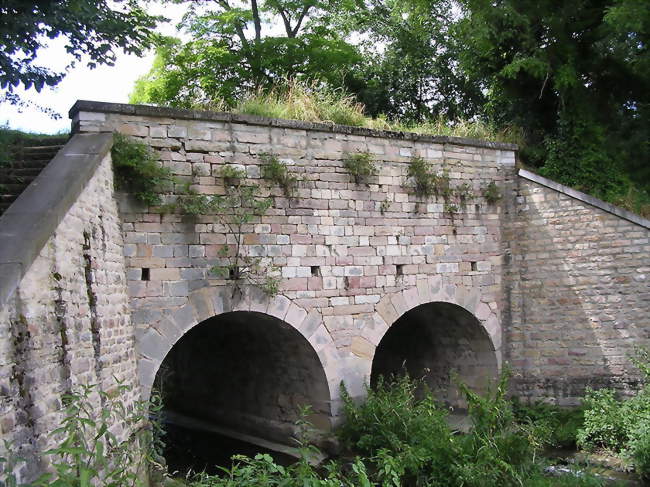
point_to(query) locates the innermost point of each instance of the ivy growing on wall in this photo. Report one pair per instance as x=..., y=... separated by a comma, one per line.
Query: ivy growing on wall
x=137, y=170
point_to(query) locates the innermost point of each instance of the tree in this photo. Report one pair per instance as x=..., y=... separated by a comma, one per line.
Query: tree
x=91, y=27
x=574, y=76
x=241, y=47
x=410, y=69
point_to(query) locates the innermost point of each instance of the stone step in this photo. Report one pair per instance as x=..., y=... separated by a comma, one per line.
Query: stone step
x=21, y=171
x=27, y=163
x=19, y=181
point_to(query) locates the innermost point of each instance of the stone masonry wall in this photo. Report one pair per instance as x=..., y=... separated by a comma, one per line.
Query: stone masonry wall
x=579, y=285
x=67, y=324
x=557, y=284
x=353, y=258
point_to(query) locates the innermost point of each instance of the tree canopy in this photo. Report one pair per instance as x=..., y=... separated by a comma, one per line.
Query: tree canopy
x=95, y=28
x=237, y=47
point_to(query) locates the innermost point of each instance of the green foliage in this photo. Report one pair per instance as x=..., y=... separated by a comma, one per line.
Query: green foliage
x=239, y=207
x=361, y=166
x=138, y=171
x=547, y=68
x=297, y=100
x=426, y=183
x=491, y=193
x=276, y=171
x=95, y=29
x=422, y=176
x=233, y=49
x=558, y=425
x=90, y=453
x=605, y=424
x=621, y=427
x=403, y=435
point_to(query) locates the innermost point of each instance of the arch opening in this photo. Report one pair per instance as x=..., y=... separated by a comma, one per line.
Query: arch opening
x=435, y=341
x=243, y=375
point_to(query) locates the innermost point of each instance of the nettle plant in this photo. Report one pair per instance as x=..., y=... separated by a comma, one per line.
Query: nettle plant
x=361, y=166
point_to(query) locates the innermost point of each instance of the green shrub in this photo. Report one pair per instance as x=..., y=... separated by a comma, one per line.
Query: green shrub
x=639, y=450
x=422, y=176
x=138, y=171
x=491, y=193
x=558, y=425
x=276, y=171
x=361, y=166
x=604, y=424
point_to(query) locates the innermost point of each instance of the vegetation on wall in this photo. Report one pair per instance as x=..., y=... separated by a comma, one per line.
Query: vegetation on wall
x=276, y=171
x=361, y=166
x=89, y=449
x=568, y=83
x=137, y=170
x=235, y=211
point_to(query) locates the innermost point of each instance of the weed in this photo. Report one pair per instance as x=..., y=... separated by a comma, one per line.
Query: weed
x=235, y=210
x=491, y=193
x=361, y=166
x=423, y=177
x=560, y=424
x=232, y=174
x=137, y=170
x=384, y=206
x=275, y=170
x=314, y=102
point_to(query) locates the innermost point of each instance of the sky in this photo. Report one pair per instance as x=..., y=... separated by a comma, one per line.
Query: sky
x=104, y=83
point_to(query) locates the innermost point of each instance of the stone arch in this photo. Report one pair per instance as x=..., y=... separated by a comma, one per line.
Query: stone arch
x=431, y=291
x=155, y=342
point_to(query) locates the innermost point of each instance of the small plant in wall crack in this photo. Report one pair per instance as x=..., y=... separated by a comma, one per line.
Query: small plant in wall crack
x=361, y=166
x=491, y=193
x=275, y=170
x=235, y=210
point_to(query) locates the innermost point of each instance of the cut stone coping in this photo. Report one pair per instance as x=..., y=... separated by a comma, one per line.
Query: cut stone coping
x=585, y=198
x=184, y=114
x=31, y=220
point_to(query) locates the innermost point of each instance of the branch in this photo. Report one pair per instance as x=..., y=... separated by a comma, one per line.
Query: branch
x=238, y=27
x=300, y=19
x=287, y=23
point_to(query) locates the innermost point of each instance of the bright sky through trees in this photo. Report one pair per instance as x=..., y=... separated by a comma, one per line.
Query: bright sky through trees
x=104, y=83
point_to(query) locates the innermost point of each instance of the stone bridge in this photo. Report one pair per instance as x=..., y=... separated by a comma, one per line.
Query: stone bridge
x=375, y=280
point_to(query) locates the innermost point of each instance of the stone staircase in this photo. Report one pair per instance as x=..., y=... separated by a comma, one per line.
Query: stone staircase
x=26, y=162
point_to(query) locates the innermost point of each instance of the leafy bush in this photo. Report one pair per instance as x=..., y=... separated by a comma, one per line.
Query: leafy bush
x=620, y=426
x=276, y=171
x=361, y=166
x=405, y=437
x=558, y=425
x=491, y=193
x=138, y=171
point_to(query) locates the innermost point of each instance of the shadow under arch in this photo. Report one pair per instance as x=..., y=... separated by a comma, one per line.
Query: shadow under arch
x=245, y=371
x=434, y=341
